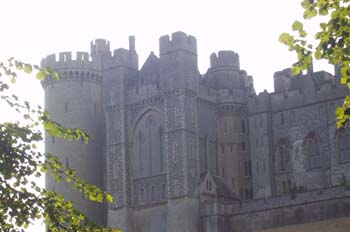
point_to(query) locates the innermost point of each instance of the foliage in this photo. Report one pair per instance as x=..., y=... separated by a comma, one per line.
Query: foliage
x=21, y=199
x=333, y=42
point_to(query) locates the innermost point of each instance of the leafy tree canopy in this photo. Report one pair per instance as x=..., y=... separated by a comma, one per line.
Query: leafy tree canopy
x=22, y=200
x=333, y=42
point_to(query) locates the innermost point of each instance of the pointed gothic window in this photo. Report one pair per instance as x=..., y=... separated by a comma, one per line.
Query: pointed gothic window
x=343, y=145
x=282, y=155
x=312, y=150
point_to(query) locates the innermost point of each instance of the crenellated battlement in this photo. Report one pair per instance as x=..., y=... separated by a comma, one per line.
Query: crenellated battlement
x=100, y=47
x=122, y=57
x=179, y=41
x=66, y=61
x=224, y=59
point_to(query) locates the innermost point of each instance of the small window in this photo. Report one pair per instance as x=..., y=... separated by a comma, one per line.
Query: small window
x=250, y=168
x=243, y=126
x=233, y=183
x=231, y=147
x=257, y=166
x=175, y=153
x=67, y=163
x=247, y=168
x=153, y=193
x=243, y=146
x=225, y=126
x=261, y=122
x=52, y=139
x=142, y=195
x=282, y=119
x=246, y=194
x=222, y=148
x=255, y=122
x=115, y=171
x=289, y=185
x=263, y=165
x=284, y=187
x=163, y=191
x=223, y=172
x=292, y=117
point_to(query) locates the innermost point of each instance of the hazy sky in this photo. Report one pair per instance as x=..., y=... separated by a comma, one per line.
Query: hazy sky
x=33, y=29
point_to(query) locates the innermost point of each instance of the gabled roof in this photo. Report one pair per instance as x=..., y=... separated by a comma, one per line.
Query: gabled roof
x=151, y=63
x=221, y=189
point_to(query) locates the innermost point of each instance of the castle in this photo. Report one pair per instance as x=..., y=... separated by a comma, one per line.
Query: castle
x=184, y=151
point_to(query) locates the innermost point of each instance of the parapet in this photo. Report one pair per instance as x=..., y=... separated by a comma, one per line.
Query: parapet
x=100, y=47
x=65, y=61
x=179, y=41
x=224, y=59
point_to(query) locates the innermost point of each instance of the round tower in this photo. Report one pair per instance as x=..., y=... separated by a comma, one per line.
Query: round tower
x=75, y=101
x=225, y=70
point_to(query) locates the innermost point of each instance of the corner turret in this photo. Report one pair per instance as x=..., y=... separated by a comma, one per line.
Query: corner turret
x=100, y=47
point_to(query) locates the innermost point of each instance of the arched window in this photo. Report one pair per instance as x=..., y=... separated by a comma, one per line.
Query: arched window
x=148, y=156
x=312, y=150
x=282, y=155
x=343, y=145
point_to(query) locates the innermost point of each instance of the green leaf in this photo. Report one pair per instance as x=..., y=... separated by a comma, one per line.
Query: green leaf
x=296, y=70
x=68, y=179
x=41, y=75
x=109, y=198
x=297, y=26
x=28, y=68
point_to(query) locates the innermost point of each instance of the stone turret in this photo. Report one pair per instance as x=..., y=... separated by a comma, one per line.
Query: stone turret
x=178, y=62
x=225, y=72
x=75, y=101
x=100, y=47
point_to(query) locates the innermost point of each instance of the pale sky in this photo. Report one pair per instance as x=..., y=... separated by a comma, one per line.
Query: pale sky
x=31, y=30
